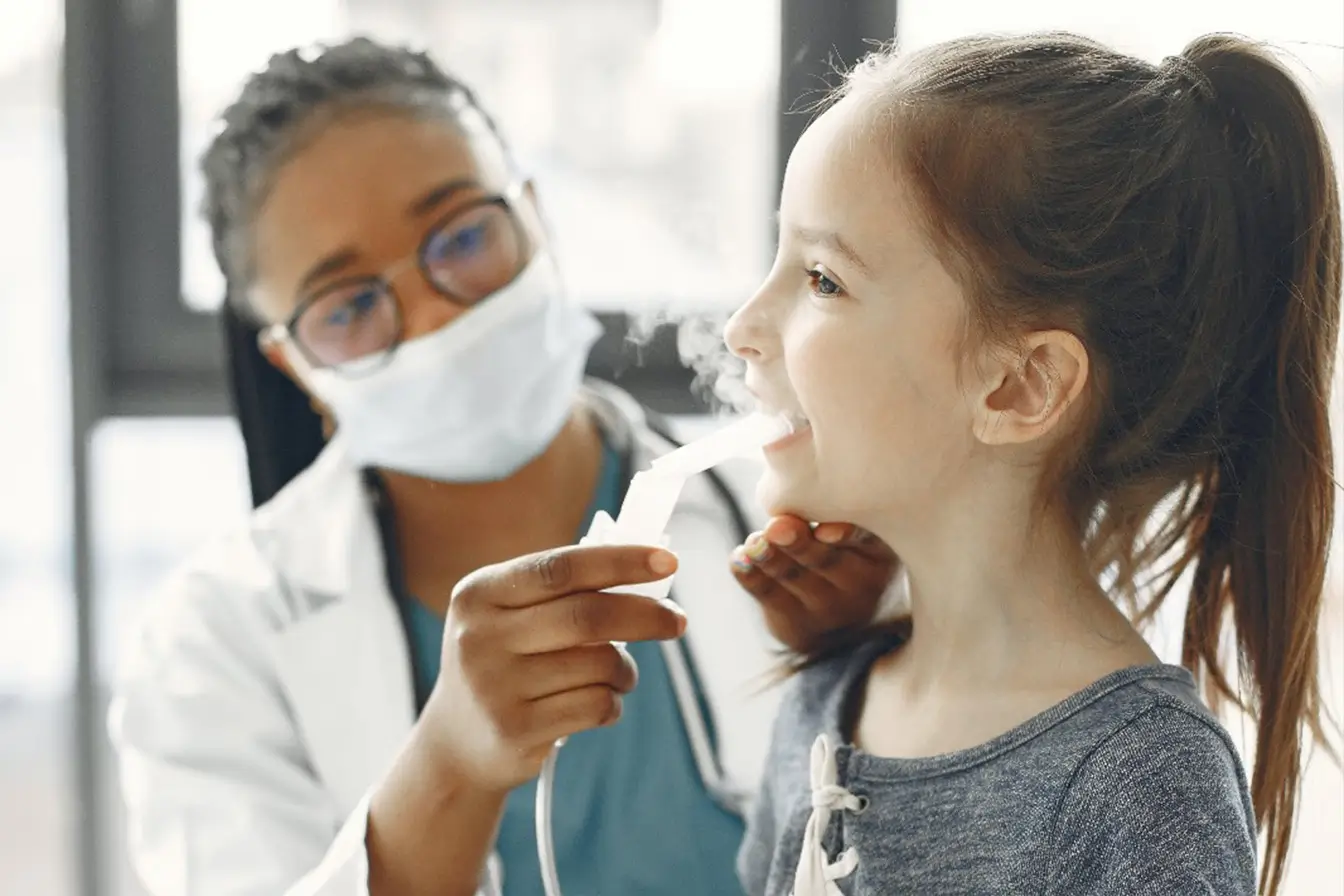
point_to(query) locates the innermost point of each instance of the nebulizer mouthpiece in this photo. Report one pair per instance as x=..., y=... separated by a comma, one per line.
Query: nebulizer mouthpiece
x=653, y=493
x=648, y=506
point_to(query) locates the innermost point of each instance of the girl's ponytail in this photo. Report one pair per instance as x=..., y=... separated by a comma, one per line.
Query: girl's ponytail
x=1261, y=532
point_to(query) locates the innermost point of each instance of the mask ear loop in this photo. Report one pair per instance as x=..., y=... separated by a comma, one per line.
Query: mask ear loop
x=276, y=336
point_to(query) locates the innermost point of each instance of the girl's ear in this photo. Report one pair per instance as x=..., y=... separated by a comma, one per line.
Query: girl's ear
x=1024, y=397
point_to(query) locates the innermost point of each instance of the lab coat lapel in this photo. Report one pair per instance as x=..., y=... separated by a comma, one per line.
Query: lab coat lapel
x=343, y=661
x=348, y=681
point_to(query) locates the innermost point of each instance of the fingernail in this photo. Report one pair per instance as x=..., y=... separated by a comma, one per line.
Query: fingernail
x=757, y=548
x=829, y=534
x=739, y=560
x=784, y=537
x=664, y=563
x=678, y=613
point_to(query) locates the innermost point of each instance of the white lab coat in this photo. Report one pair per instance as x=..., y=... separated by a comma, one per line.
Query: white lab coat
x=269, y=686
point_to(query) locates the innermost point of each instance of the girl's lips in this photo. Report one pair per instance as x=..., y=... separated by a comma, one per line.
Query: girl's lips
x=799, y=434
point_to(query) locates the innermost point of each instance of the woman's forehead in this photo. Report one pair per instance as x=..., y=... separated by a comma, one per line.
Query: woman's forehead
x=385, y=155
x=359, y=183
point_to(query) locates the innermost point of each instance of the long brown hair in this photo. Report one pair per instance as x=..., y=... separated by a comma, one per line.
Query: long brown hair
x=1184, y=220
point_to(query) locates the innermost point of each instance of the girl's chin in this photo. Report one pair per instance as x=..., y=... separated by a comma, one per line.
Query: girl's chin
x=779, y=497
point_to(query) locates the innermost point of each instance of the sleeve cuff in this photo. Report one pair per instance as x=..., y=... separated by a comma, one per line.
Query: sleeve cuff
x=345, y=869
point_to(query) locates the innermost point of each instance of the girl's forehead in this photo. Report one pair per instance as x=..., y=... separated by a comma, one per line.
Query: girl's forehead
x=834, y=149
x=842, y=177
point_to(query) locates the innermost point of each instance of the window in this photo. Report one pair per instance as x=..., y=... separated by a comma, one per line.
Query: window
x=37, y=647
x=648, y=124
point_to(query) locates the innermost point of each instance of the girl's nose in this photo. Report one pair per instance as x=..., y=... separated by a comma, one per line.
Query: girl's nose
x=746, y=332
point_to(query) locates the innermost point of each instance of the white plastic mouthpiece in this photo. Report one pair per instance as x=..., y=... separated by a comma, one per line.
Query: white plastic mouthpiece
x=741, y=439
x=653, y=493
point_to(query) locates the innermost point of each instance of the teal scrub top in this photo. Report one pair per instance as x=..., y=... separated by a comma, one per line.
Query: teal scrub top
x=631, y=813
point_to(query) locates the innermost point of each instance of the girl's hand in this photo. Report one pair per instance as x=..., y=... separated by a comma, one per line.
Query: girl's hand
x=809, y=581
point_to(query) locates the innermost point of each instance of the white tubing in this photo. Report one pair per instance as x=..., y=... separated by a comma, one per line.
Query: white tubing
x=550, y=877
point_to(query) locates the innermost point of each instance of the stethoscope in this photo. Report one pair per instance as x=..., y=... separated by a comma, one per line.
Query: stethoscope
x=681, y=670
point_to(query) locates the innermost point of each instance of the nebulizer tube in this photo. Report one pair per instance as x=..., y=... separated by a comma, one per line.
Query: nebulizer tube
x=642, y=520
x=550, y=877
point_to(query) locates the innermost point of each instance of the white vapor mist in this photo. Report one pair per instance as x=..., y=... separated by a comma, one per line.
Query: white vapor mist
x=700, y=346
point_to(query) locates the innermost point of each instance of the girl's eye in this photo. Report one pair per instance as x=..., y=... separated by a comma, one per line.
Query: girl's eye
x=822, y=285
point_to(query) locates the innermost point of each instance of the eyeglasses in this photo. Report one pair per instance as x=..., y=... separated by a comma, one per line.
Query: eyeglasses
x=475, y=250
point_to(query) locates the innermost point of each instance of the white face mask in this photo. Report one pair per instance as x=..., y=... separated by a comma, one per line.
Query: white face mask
x=475, y=400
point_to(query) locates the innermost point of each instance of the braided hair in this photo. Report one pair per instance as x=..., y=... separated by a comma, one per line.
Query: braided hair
x=278, y=105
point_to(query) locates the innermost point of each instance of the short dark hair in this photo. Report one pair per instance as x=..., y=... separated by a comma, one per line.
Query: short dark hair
x=258, y=128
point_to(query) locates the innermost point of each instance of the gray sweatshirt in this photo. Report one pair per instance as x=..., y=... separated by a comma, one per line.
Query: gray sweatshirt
x=1128, y=788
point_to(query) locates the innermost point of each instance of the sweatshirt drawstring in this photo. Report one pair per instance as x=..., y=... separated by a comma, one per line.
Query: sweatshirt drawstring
x=816, y=876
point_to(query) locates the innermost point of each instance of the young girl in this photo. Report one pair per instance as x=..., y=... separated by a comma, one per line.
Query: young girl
x=1058, y=326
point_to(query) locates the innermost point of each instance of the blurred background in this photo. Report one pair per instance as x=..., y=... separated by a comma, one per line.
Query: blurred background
x=655, y=129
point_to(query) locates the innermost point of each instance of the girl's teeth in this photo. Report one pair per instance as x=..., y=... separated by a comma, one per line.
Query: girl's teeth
x=795, y=420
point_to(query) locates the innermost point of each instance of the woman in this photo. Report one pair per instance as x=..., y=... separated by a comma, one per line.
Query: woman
x=293, y=710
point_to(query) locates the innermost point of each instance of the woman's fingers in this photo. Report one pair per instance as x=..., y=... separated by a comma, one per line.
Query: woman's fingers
x=785, y=616
x=542, y=577
x=856, y=539
x=587, y=618
x=545, y=721
x=811, y=582
x=548, y=674
x=844, y=556
x=527, y=656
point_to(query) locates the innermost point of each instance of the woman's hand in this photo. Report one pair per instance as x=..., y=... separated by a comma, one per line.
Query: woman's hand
x=528, y=658
x=811, y=582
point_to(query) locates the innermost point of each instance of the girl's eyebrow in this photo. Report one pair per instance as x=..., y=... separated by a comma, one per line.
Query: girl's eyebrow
x=833, y=241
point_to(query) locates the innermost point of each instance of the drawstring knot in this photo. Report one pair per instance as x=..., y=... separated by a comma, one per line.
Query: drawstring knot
x=816, y=876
